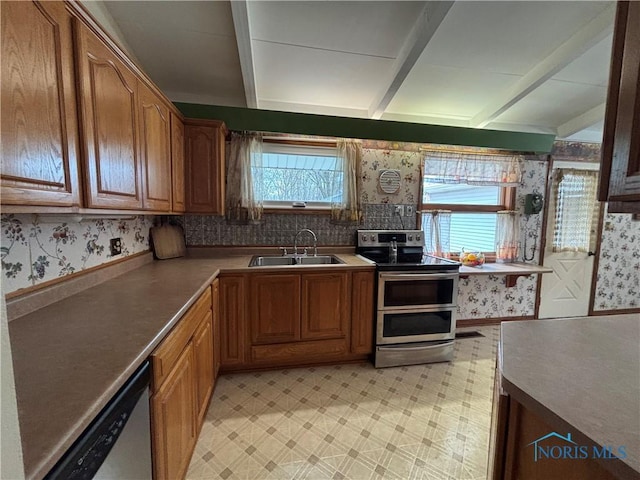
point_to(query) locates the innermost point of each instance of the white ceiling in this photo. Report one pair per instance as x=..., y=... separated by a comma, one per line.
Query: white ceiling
x=521, y=66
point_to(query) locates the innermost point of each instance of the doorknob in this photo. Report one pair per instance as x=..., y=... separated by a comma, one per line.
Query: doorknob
x=591, y=254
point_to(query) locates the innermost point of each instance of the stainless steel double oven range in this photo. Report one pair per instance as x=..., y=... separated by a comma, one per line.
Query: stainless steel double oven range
x=416, y=301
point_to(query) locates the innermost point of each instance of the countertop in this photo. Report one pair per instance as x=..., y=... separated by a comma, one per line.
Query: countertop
x=516, y=268
x=71, y=357
x=580, y=374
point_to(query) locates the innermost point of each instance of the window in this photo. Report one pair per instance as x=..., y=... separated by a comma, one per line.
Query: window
x=473, y=191
x=300, y=173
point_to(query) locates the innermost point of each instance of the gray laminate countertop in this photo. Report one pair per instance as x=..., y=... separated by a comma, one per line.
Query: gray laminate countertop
x=581, y=374
x=72, y=356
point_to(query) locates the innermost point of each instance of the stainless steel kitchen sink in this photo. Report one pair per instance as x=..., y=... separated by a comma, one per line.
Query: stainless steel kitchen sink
x=274, y=260
x=319, y=260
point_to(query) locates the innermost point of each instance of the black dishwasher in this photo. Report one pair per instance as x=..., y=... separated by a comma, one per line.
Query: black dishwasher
x=117, y=444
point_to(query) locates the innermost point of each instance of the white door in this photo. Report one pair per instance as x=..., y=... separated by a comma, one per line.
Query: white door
x=566, y=291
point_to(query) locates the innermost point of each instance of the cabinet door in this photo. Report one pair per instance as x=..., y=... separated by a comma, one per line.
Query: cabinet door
x=216, y=328
x=233, y=342
x=275, y=308
x=205, y=167
x=203, y=352
x=621, y=142
x=173, y=411
x=39, y=125
x=108, y=106
x=177, y=163
x=155, y=149
x=325, y=305
x=362, y=312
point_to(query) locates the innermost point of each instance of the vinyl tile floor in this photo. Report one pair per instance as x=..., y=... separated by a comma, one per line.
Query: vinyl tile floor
x=353, y=421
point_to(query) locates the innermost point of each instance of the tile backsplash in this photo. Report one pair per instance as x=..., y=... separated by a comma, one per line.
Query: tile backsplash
x=280, y=229
x=35, y=251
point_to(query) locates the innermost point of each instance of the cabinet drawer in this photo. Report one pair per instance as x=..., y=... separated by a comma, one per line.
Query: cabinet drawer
x=165, y=356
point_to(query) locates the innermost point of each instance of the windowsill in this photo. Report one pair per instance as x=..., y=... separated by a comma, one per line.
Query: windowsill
x=298, y=210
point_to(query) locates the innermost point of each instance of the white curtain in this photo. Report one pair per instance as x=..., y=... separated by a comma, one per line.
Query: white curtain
x=244, y=196
x=575, y=201
x=345, y=208
x=436, y=225
x=472, y=168
x=507, y=236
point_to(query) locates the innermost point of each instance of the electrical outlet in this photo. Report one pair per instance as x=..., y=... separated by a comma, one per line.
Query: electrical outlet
x=116, y=246
x=399, y=210
x=408, y=210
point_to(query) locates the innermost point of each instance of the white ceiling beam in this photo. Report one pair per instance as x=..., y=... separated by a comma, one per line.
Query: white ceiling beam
x=419, y=37
x=585, y=38
x=240, y=14
x=582, y=121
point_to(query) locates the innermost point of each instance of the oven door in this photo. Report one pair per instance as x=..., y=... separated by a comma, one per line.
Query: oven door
x=410, y=326
x=403, y=291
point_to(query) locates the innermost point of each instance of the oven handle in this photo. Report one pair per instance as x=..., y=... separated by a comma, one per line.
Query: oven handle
x=417, y=276
x=419, y=347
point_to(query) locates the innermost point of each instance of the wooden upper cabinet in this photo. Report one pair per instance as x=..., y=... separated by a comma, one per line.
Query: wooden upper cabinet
x=155, y=147
x=108, y=112
x=275, y=308
x=39, y=125
x=177, y=163
x=325, y=305
x=620, y=176
x=205, y=166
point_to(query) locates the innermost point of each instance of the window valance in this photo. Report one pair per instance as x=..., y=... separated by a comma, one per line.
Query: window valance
x=472, y=168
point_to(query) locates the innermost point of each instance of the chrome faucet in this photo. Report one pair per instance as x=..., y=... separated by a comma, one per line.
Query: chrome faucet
x=315, y=242
x=393, y=252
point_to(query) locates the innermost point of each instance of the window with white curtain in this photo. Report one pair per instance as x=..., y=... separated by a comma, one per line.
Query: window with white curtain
x=575, y=204
x=299, y=173
x=474, y=187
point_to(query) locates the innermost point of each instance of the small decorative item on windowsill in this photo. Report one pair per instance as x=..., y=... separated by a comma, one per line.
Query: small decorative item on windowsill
x=507, y=253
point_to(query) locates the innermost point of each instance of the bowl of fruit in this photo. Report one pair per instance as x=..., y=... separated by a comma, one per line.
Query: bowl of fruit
x=470, y=259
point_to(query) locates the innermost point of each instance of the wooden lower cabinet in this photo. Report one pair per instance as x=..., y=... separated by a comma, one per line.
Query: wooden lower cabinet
x=511, y=453
x=215, y=290
x=325, y=305
x=203, y=352
x=274, y=308
x=173, y=410
x=362, y=312
x=232, y=321
x=183, y=367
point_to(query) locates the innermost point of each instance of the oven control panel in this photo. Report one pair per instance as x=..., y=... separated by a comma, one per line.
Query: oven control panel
x=384, y=238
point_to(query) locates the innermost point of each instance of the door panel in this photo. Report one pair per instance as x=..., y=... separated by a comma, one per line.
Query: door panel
x=566, y=291
x=275, y=308
x=325, y=305
x=174, y=420
x=108, y=100
x=155, y=150
x=39, y=126
x=203, y=349
x=232, y=320
x=177, y=163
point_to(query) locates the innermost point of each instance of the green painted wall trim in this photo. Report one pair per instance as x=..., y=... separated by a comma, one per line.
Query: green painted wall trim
x=284, y=122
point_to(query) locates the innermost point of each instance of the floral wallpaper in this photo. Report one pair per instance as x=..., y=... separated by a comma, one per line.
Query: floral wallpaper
x=375, y=160
x=33, y=251
x=618, y=278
